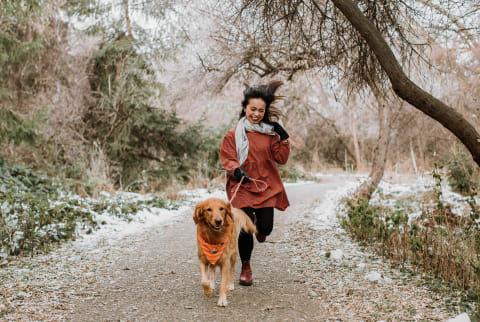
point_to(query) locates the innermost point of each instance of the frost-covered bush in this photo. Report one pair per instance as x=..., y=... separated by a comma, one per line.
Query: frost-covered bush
x=424, y=229
x=291, y=173
x=372, y=223
x=461, y=173
x=35, y=211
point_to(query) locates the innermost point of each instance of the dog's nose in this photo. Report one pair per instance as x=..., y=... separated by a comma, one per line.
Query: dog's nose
x=218, y=222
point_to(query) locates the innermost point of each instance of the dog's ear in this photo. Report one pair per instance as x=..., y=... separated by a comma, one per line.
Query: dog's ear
x=198, y=213
x=228, y=209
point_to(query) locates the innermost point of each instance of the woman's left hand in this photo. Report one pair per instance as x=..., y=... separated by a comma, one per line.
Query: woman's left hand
x=280, y=131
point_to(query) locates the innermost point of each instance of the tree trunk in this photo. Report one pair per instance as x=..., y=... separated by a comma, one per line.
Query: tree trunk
x=404, y=87
x=367, y=188
x=353, y=125
x=412, y=154
x=129, y=24
x=316, y=158
x=420, y=151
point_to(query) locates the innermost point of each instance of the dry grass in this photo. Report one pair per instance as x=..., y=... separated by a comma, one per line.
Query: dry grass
x=438, y=243
x=197, y=180
x=200, y=181
x=98, y=172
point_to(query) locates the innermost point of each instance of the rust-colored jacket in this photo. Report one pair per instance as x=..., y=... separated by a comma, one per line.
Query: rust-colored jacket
x=263, y=153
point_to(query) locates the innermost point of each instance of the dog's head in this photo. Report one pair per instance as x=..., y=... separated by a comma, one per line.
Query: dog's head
x=214, y=212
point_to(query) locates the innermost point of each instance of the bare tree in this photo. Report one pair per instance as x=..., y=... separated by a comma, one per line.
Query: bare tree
x=381, y=151
x=366, y=41
x=405, y=88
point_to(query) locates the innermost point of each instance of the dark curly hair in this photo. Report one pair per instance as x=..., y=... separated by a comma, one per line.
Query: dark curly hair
x=267, y=94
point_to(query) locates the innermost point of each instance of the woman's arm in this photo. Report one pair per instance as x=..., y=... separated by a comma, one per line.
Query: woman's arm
x=280, y=150
x=228, y=154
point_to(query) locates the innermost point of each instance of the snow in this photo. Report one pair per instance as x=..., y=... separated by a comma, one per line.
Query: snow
x=337, y=254
x=460, y=318
x=324, y=214
x=115, y=228
x=415, y=188
x=298, y=183
x=201, y=194
x=373, y=276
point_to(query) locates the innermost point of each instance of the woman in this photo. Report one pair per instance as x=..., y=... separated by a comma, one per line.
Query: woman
x=251, y=151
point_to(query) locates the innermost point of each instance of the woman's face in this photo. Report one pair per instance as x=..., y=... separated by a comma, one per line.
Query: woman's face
x=255, y=110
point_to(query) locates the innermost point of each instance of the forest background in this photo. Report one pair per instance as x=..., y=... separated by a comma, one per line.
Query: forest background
x=136, y=95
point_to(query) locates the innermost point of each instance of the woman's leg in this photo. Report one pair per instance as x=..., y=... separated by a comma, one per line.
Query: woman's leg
x=245, y=247
x=245, y=241
x=264, y=220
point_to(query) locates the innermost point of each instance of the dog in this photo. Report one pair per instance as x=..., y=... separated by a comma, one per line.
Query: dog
x=218, y=226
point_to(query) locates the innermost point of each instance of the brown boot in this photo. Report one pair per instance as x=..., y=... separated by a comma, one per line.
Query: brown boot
x=260, y=237
x=246, y=278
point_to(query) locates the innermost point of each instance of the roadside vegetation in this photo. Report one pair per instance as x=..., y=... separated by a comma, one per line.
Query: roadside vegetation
x=424, y=231
x=37, y=211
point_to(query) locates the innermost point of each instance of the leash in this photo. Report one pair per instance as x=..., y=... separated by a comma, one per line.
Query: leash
x=237, y=187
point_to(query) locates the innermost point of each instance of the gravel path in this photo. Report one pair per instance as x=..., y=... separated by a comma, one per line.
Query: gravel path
x=155, y=276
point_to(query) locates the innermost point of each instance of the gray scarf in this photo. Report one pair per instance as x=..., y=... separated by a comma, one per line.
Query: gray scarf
x=241, y=139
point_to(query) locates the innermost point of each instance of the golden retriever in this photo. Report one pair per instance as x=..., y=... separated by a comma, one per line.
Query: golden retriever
x=218, y=226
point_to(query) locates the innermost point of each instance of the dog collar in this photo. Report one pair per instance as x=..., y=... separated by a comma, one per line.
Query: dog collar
x=212, y=251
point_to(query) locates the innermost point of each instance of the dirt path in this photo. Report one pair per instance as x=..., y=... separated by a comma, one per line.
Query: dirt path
x=155, y=276
x=160, y=278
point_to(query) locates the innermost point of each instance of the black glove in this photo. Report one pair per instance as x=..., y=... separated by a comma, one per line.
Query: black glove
x=239, y=173
x=280, y=131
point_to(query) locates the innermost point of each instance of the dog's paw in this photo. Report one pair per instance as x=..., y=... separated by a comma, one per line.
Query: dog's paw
x=207, y=290
x=231, y=287
x=212, y=285
x=222, y=301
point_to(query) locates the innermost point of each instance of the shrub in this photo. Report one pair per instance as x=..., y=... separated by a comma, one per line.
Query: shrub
x=36, y=211
x=438, y=241
x=363, y=220
x=292, y=174
x=461, y=173
x=144, y=144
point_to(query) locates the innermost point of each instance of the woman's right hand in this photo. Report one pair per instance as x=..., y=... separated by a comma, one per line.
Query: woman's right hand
x=239, y=173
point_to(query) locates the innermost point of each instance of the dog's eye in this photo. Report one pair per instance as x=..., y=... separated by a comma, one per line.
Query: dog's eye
x=209, y=209
x=222, y=208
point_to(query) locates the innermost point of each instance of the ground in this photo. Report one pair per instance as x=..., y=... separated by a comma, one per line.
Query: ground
x=300, y=273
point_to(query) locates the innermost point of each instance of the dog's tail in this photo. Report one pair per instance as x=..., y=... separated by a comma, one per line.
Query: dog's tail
x=242, y=221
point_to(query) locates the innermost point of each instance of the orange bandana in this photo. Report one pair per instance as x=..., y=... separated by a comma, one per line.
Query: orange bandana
x=212, y=251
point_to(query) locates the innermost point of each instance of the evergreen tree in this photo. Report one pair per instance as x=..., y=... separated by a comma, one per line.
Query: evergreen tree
x=22, y=48
x=142, y=141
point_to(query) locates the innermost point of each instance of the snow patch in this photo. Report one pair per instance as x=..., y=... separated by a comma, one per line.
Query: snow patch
x=114, y=228
x=201, y=194
x=460, y=318
x=324, y=216
x=373, y=276
x=297, y=183
x=337, y=254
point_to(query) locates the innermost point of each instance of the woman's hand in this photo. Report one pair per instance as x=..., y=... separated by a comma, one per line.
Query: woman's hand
x=239, y=173
x=280, y=131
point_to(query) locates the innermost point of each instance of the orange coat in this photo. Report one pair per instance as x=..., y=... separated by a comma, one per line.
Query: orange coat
x=263, y=153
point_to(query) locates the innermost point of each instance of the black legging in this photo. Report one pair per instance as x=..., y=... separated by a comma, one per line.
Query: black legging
x=264, y=226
